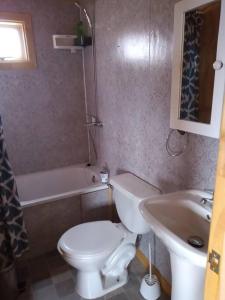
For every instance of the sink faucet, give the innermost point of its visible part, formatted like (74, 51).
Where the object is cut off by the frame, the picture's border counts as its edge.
(208, 199)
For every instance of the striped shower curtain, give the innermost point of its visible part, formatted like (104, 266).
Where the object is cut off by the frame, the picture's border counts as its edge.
(13, 236)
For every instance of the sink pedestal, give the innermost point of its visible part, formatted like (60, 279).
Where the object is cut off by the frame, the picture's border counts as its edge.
(187, 279)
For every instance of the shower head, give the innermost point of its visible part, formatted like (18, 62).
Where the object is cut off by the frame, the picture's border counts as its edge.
(77, 5)
(82, 9)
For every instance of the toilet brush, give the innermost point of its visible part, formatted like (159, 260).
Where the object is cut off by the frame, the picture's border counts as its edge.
(150, 287)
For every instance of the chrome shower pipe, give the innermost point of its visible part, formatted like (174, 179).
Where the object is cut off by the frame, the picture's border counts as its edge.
(77, 4)
(92, 29)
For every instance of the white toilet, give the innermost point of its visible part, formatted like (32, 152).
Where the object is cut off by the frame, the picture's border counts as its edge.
(101, 251)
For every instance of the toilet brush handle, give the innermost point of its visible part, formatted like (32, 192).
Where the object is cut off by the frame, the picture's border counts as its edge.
(150, 259)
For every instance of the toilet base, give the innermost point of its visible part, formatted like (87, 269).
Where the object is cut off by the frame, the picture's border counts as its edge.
(91, 285)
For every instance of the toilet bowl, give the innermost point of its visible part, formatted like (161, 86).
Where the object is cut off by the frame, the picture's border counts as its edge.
(101, 251)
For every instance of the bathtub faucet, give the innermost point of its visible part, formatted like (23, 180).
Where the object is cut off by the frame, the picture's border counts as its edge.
(93, 121)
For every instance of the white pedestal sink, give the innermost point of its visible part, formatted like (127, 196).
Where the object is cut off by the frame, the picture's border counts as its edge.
(175, 218)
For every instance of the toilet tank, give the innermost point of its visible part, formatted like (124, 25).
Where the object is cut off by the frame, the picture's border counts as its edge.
(128, 192)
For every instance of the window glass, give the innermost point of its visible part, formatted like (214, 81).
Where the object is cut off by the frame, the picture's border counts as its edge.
(12, 42)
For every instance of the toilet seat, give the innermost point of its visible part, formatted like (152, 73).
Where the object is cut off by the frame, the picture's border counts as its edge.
(91, 239)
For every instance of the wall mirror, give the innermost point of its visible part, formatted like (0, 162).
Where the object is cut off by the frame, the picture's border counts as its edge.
(198, 76)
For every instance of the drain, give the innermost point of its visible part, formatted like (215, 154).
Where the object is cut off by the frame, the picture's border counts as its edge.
(196, 241)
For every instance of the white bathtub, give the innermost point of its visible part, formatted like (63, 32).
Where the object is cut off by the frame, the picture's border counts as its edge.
(47, 186)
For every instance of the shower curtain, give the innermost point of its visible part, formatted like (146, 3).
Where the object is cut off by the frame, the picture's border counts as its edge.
(13, 236)
(191, 59)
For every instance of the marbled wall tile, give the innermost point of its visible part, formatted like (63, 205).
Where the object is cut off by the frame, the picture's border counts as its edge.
(43, 109)
(134, 49)
(96, 206)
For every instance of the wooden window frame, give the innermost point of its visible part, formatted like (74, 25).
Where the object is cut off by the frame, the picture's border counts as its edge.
(25, 20)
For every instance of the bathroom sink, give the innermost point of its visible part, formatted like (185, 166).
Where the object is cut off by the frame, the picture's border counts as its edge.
(179, 219)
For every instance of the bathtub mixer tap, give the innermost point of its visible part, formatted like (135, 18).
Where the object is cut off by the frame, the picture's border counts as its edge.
(97, 124)
(93, 122)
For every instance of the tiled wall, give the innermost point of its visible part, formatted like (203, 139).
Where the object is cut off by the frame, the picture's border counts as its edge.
(43, 109)
(134, 48)
(134, 96)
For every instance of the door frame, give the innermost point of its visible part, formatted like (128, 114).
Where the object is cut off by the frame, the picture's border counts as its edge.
(215, 283)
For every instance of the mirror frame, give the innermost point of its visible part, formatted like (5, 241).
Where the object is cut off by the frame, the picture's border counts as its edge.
(212, 129)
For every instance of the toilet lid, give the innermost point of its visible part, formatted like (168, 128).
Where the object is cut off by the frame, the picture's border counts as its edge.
(91, 238)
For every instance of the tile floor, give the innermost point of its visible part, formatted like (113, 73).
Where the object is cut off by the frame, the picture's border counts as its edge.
(50, 278)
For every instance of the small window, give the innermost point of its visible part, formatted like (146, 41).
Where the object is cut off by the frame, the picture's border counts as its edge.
(16, 42)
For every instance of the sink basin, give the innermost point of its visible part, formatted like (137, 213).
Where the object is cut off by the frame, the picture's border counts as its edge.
(176, 219)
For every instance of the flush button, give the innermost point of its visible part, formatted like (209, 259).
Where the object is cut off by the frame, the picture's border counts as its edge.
(217, 65)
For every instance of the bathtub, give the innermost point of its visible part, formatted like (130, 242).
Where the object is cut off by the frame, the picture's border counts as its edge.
(43, 187)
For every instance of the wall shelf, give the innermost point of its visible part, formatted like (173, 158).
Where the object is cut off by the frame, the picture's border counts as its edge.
(66, 42)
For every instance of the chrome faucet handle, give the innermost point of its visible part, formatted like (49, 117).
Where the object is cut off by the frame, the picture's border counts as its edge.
(210, 191)
(207, 200)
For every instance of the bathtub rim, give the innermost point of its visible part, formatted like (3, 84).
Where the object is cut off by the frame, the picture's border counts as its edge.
(95, 169)
(85, 190)
(70, 194)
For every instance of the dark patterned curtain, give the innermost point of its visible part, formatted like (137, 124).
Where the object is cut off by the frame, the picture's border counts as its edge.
(191, 58)
(13, 236)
